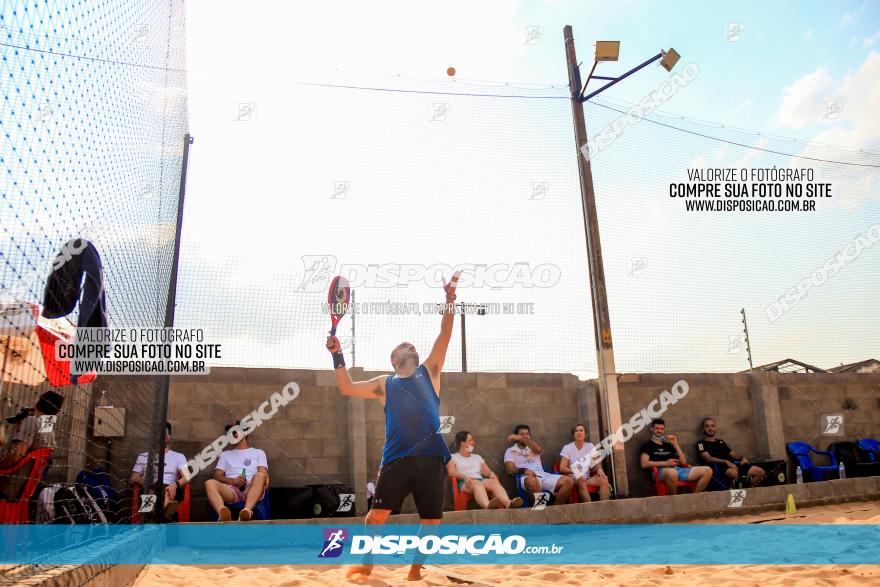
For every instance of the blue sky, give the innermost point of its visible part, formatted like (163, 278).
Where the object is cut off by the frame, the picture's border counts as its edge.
(742, 82)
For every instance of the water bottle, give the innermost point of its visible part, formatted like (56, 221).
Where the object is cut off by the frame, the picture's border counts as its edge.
(244, 474)
(841, 471)
(800, 476)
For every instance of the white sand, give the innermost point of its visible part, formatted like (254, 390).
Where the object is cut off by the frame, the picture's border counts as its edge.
(510, 575)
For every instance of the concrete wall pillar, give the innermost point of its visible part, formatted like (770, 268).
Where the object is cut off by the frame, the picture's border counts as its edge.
(769, 435)
(357, 446)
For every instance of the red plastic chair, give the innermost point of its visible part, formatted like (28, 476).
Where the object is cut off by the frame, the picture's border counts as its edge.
(575, 496)
(182, 509)
(135, 503)
(459, 498)
(660, 485)
(16, 512)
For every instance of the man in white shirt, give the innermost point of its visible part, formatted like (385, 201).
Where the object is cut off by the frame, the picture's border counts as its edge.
(580, 453)
(524, 458)
(242, 474)
(172, 475)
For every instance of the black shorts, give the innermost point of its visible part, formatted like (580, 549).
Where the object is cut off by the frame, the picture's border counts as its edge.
(423, 476)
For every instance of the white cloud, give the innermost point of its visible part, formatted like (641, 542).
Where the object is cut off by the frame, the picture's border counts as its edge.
(803, 102)
(745, 104)
(809, 35)
(854, 15)
(868, 42)
(857, 125)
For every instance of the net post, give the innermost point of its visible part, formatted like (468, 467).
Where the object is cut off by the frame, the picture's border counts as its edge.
(160, 405)
(463, 342)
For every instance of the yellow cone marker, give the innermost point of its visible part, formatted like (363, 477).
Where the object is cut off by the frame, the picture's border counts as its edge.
(789, 505)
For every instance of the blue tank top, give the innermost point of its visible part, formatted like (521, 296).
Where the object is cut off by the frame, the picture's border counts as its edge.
(412, 418)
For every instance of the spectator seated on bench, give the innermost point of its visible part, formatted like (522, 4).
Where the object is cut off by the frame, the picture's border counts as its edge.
(523, 461)
(34, 429)
(241, 476)
(729, 467)
(580, 451)
(473, 477)
(663, 456)
(173, 478)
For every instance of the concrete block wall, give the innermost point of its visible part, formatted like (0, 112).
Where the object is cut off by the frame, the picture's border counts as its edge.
(489, 405)
(323, 437)
(117, 455)
(723, 397)
(805, 399)
(756, 413)
(307, 442)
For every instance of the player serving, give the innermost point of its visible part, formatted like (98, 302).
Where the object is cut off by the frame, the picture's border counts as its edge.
(415, 455)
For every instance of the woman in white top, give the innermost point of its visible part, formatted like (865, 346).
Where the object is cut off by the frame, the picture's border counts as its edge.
(578, 450)
(474, 476)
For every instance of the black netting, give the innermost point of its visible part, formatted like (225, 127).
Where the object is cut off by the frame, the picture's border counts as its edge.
(93, 117)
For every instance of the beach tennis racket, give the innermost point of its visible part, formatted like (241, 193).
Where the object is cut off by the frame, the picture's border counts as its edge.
(338, 297)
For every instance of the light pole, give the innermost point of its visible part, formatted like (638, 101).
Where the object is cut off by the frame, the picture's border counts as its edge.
(352, 329)
(748, 344)
(480, 310)
(607, 373)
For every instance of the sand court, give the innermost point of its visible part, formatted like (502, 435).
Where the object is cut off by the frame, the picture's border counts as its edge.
(511, 575)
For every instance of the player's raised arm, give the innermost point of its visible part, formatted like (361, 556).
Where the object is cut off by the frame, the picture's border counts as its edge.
(434, 362)
(371, 389)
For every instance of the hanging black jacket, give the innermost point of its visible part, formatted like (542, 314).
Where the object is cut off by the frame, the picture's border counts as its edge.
(66, 286)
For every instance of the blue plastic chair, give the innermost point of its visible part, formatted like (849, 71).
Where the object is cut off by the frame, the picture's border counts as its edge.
(261, 510)
(872, 447)
(719, 479)
(525, 495)
(801, 452)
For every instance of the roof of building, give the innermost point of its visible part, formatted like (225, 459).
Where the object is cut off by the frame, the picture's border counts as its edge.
(789, 366)
(855, 367)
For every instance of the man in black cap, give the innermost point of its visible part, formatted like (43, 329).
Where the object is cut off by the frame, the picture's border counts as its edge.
(34, 430)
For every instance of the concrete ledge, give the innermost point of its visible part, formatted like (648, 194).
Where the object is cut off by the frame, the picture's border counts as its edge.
(648, 510)
(91, 575)
(653, 510)
(97, 571)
